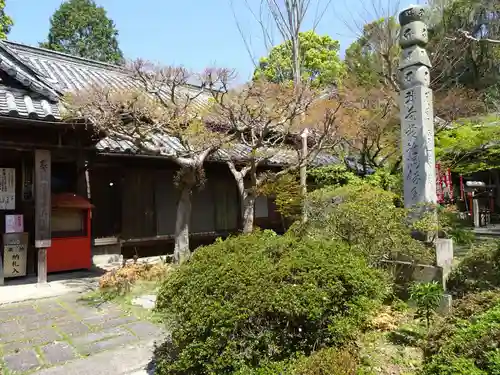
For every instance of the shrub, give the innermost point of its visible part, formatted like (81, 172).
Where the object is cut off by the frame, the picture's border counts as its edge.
(261, 298)
(467, 308)
(366, 218)
(427, 297)
(121, 280)
(479, 270)
(329, 361)
(332, 175)
(471, 349)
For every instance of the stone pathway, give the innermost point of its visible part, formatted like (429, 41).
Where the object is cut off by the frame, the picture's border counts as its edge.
(48, 333)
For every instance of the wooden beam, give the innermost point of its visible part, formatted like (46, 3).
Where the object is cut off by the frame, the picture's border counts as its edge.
(43, 208)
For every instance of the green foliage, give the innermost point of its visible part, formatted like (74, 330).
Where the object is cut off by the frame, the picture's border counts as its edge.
(479, 270)
(471, 64)
(81, 28)
(469, 147)
(469, 307)
(427, 297)
(332, 175)
(472, 348)
(261, 298)
(384, 179)
(451, 226)
(287, 194)
(319, 61)
(328, 361)
(364, 217)
(6, 22)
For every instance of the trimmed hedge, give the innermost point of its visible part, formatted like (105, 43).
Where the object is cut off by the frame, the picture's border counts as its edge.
(261, 298)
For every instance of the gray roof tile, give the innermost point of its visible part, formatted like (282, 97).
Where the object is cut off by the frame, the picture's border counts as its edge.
(49, 73)
(64, 74)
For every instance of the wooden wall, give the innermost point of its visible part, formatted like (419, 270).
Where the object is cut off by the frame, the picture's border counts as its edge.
(148, 199)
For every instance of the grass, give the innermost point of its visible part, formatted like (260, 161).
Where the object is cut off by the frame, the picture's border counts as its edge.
(140, 288)
(394, 349)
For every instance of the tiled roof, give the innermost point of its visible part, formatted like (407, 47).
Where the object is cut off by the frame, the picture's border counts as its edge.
(279, 157)
(64, 73)
(25, 104)
(45, 75)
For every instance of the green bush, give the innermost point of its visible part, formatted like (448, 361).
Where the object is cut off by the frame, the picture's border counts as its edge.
(367, 219)
(329, 361)
(471, 349)
(464, 309)
(262, 298)
(427, 297)
(479, 270)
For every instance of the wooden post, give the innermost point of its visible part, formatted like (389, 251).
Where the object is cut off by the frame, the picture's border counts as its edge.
(43, 208)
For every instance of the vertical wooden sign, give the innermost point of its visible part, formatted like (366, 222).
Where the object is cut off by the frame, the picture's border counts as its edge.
(43, 207)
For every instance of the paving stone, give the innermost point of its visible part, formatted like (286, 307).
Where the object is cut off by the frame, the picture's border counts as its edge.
(48, 306)
(58, 352)
(29, 325)
(16, 312)
(97, 336)
(72, 328)
(110, 323)
(86, 311)
(57, 314)
(110, 343)
(38, 337)
(15, 346)
(23, 361)
(144, 330)
(9, 330)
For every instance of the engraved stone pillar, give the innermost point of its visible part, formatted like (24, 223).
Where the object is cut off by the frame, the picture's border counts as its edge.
(417, 128)
(417, 114)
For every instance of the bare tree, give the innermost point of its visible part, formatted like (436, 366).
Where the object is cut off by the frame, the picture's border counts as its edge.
(287, 17)
(267, 118)
(161, 105)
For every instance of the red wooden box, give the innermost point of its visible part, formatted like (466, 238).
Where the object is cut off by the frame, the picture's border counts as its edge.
(71, 236)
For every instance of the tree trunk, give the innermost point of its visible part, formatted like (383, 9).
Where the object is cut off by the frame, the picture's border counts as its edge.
(303, 175)
(183, 218)
(297, 77)
(247, 204)
(248, 214)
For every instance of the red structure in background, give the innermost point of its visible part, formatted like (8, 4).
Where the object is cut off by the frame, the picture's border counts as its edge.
(444, 185)
(71, 238)
(462, 189)
(439, 184)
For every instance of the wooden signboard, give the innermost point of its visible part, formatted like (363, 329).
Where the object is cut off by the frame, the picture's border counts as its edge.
(7, 189)
(43, 207)
(15, 249)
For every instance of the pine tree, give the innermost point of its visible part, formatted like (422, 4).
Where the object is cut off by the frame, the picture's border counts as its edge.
(81, 28)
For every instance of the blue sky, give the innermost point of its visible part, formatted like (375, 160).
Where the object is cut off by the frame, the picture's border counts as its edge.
(193, 33)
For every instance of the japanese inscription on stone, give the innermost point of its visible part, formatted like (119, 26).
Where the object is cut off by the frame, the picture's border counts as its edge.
(417, 118)
(42, 199)
(15, 254)
(7, 189)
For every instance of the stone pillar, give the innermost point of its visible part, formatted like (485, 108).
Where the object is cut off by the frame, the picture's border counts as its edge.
(417, 114)
(417, 130)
